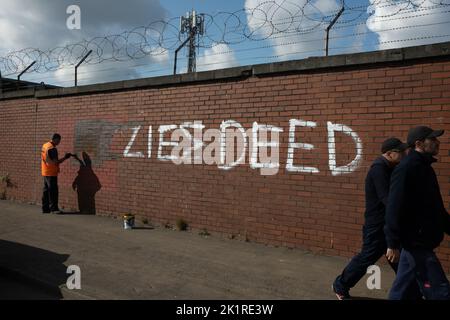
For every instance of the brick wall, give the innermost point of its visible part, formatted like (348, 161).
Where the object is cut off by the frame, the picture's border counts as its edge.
(320, 211)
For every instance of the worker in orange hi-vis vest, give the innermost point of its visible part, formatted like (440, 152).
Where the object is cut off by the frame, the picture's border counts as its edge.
(50, 169)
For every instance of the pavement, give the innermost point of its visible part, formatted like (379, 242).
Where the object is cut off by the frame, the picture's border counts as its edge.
(152, 262)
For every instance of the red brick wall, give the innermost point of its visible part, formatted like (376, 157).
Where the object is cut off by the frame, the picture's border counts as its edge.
(317, 211)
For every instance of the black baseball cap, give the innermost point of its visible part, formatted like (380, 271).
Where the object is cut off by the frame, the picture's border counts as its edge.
(421, 133)
(393, 144)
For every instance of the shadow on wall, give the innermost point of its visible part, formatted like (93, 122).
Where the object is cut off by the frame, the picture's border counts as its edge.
(87, 185)
(30, 273)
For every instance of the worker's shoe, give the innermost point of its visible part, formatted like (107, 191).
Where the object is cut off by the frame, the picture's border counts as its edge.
(57, 212)
(45, 212)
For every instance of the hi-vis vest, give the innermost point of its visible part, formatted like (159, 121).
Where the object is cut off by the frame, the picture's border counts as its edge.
(48, 169)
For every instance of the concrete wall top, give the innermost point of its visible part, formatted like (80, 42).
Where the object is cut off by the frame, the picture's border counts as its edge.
(439, 50)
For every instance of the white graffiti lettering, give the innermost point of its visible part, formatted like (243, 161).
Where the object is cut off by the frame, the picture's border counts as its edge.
(297, 145)
(127, 153)
(352, 166)
(227, 146)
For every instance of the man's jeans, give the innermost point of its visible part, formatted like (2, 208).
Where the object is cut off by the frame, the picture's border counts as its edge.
(423, 267)
(50, 195)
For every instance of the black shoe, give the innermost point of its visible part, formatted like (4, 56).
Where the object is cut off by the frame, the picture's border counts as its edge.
(57, 212)
(45, 212)
(341, 294)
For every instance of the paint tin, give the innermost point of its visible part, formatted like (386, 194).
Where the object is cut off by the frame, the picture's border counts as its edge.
(128, 221)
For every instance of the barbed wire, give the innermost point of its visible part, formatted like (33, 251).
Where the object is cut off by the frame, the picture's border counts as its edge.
(253, 59)
(268, 20)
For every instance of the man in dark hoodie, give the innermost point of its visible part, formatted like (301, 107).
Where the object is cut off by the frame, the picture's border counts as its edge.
(374, 244)
(416, 219)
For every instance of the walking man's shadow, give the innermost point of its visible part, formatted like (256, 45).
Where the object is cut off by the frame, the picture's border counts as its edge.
(87, 185)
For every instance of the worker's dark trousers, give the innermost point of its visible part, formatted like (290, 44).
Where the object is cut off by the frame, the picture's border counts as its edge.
(50, 195)
(422, 267)
(373, 248)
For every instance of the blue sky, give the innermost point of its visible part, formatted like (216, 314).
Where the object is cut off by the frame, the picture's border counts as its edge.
(266, 31)
(177, 7)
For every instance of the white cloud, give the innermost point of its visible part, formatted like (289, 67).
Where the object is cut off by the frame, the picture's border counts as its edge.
(219, 56)
(295, 29)
(357, 44)
(408, 23)
(42, 24)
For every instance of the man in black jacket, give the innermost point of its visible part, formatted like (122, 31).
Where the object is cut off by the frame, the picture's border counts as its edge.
(374, 244)
(416, 219)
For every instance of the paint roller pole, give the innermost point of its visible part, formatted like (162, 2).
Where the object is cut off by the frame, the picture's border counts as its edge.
(26, 69)
(79, 63)
(330, 26)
